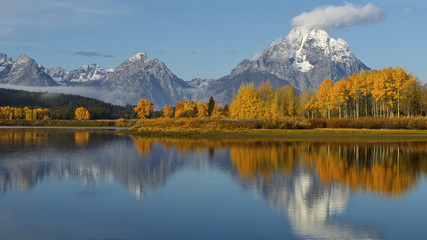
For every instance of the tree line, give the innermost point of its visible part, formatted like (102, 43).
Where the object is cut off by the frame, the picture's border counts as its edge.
(26, 113)
(377, 93)
(63, 106)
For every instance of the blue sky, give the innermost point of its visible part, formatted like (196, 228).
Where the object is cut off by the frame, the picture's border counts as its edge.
(198, 38)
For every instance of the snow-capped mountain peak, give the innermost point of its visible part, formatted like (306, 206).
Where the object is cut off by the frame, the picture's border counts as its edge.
(23, 59)
(139, 56)
(302, 59)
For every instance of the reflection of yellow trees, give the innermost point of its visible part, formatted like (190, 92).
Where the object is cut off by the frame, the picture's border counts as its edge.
(143, 145)
(386, 169)
(263, 159)
(14, 138)
(390, 169)
(81, 138)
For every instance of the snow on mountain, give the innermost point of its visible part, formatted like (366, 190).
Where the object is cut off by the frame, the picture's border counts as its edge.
(85, 75)
(303, 59)
(57, 74)
(140, 77)
(6, 64)
(200, 83)
(25, 71)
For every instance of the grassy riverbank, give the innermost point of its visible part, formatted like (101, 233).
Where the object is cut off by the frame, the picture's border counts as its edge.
(291, 128)
(233, 129)
(69, 123)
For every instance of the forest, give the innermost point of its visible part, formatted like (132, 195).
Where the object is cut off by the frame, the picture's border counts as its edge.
(61, 106)
(379, 93)
(390, 98)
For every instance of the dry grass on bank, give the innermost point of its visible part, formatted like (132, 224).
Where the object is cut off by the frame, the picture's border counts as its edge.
(70, 123)
(224, 125)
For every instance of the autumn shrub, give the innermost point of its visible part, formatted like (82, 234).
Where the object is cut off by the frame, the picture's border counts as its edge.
(417, 123)
(337, 123)
(317, 122)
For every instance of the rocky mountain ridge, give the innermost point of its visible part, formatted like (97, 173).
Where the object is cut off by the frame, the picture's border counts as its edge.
(303, 59)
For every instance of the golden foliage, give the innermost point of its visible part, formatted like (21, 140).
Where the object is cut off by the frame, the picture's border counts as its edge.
(82, 113)
(26, 113)
(248, 103)
(167, 111)
(144, 108)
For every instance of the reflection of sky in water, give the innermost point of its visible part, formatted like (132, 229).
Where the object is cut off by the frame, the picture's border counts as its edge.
(312, 183)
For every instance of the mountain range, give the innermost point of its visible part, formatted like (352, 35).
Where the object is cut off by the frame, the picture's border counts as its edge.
(303, 59)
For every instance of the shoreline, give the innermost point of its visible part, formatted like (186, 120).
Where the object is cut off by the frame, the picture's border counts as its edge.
(317, 134)
(205, 132)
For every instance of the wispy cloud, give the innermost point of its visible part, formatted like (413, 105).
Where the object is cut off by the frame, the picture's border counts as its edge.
(7, 31)
(256, 56)
(22, 44)
(92, 54)
(331, 17)
(69, 6)
(83, 91)
(408, 9)
(60, 12)
(191, 51)
(160, 52)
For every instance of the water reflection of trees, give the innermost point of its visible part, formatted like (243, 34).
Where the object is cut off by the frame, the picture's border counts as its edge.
(310, 181)
(385, 168)
(81, 138)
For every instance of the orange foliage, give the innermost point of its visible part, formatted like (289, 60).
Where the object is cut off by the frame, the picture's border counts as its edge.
(81, 138)
(144, 108)
(82, 113)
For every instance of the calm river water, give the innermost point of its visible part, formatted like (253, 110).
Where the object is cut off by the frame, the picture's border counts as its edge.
(80, 184)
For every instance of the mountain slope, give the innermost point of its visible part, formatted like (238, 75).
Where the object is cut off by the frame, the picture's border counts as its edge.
(25, 71)
(140, 77)
(303, 60)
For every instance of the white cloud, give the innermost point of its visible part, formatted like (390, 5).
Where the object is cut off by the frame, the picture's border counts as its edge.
(6, 32)
(331, 17)
(82, 91)
(60, 12)
(191, 51)
(256, 56)
(408, 9)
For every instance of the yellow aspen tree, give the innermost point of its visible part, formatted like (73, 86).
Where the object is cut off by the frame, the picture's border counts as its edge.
(265, 90)
(82, 114)
(189, 109)
(370, 81)
(289, 100)
(340, 95)
(18, 113)
(379, 91)
(217, 111)
(179, 108)
(355, 89)
(28, 113)
(202, 109)
(365, 88)
(247, 104)
(401, 83)
(324, 97)
(411, 102)
(389, 90)
(144, 108)
(167, 111)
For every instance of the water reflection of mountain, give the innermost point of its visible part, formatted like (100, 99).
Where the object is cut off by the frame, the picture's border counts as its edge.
(309, 181)
(28, 157)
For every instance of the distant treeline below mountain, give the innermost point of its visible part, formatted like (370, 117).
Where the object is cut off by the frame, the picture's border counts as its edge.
(64, 105)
